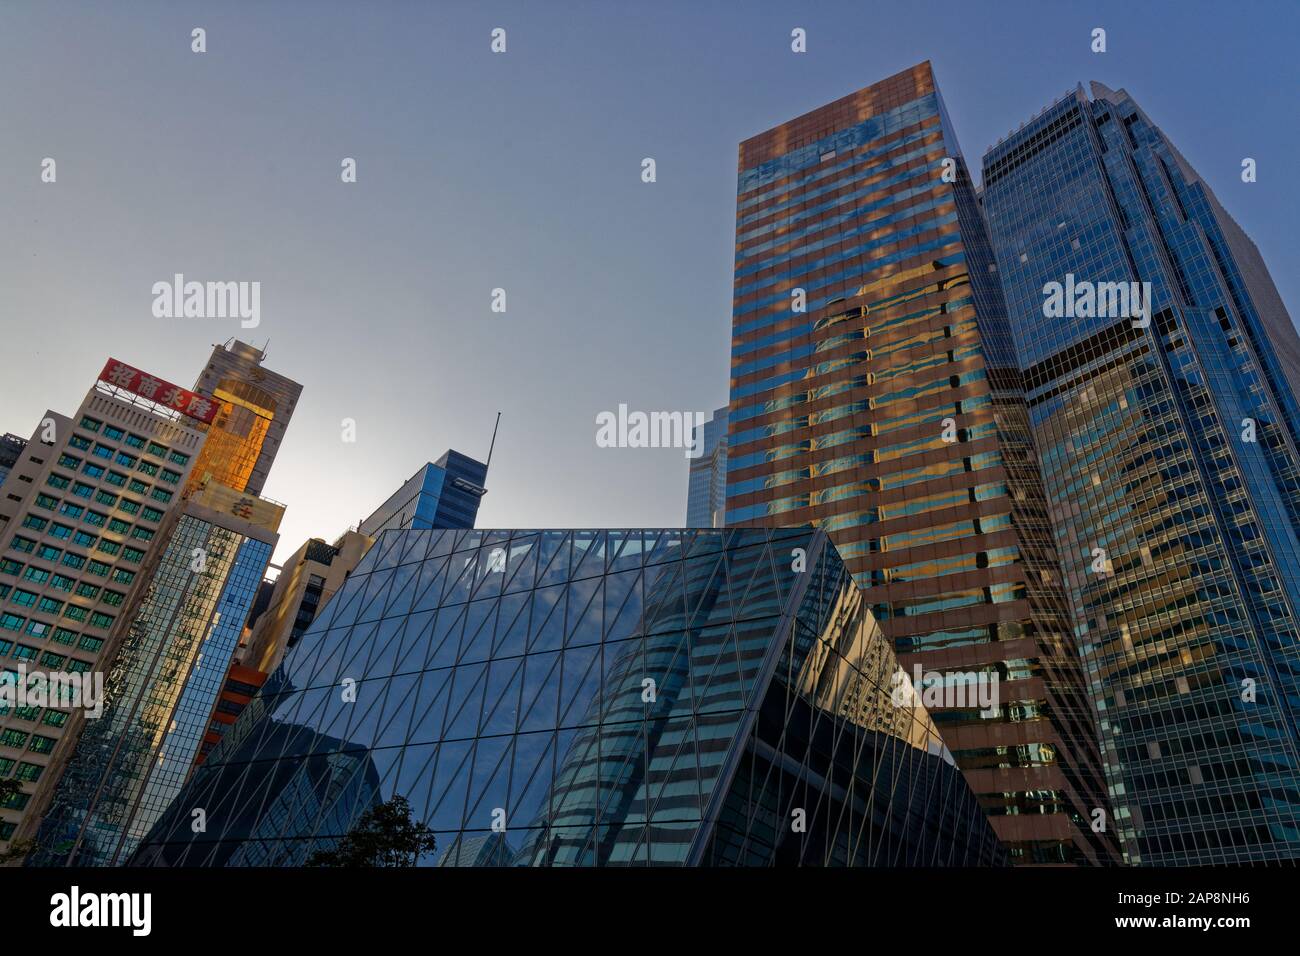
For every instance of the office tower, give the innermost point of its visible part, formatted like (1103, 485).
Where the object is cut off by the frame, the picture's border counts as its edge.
(707, 491)
(603, 698)
(1167, 431)
(442, 494)
(309, 578)
(254, 406)
(11, 449)
(99, 487)
(874, 395)
(159, 695)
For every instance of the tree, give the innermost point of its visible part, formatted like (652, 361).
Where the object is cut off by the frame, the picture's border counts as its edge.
(19, 849)
(384, 836)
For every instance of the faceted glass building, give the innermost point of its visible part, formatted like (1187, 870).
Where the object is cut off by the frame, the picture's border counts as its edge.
(159, 693)
(1169, 455)
(875, 395)
(706, 492)
(589, 698)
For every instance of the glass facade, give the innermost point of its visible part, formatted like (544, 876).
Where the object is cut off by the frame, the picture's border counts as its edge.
(875, 395)
(72, 561)
(1169, 457)
(442, 494)
(130, 762)
(706, 494)
(589, 698)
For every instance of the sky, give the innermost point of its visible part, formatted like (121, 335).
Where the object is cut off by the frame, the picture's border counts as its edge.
(519, 171)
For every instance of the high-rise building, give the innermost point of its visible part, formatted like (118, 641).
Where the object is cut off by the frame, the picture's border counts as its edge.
(875, 395)
(11, 449)
(595, 698)
(85, 507)
(706, 492)
(159, 695)
(1167, 425)
(254, 405)
(240, 687)
(442, 494)
(309, 578)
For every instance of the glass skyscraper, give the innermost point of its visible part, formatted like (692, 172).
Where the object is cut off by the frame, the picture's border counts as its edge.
(706, 493)
(589, 698)
(158, 695)
(1168, 442)
(875, 395)
(442, 494)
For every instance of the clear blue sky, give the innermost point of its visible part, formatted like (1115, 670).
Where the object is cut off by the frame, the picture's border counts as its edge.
(519, 171)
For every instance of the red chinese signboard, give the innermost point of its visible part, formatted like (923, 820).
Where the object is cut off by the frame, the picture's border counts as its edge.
(131, 379)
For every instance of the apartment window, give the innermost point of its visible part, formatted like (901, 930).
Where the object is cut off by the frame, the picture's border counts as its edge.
(35, 523)
(90, 424)
(57, 481)
(123, 576)
(96, 519)
(52, 661)
(114, 598)
(87, 590)
(60, 531)
(169, 476)
(118, 526)
(24, 653)
(62, 582)
(63, 635)
(109, 547)
(49, 606)
(23, 598)
(11, 622)
(101, 620)
(28, 772)
(134, 555)
(10, 566)
(91, 644)
(76, 441)
(83, 490)
(13, 738)
(157, 450)
(46, 502)
(129, 506)
(98, 568)
(75, 612)
(116, 478)
(138, 486)
(135, 441)
(54, 718)
(102, 451)
(69, 462)
(83, 539)
(141, 534)
(71, 510)
(113, 433)
(127, 461)
(147, 468)
(41, 745)
(93, 471)
(47, 553)
(74, 561)
(25, 545)
(158, 494)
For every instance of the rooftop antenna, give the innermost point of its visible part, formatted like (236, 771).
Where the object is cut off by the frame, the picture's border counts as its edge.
(494, 442)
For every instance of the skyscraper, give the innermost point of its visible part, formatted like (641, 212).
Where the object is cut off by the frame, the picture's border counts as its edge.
(254, 405)
(86, 506)
(159, 694)
(874, 394)
(589, 698)
(1167, 426)
(11, 449)
(706, 493)
(442, 494)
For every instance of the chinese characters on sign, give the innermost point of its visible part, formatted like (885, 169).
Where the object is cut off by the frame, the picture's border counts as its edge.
(131, 379)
